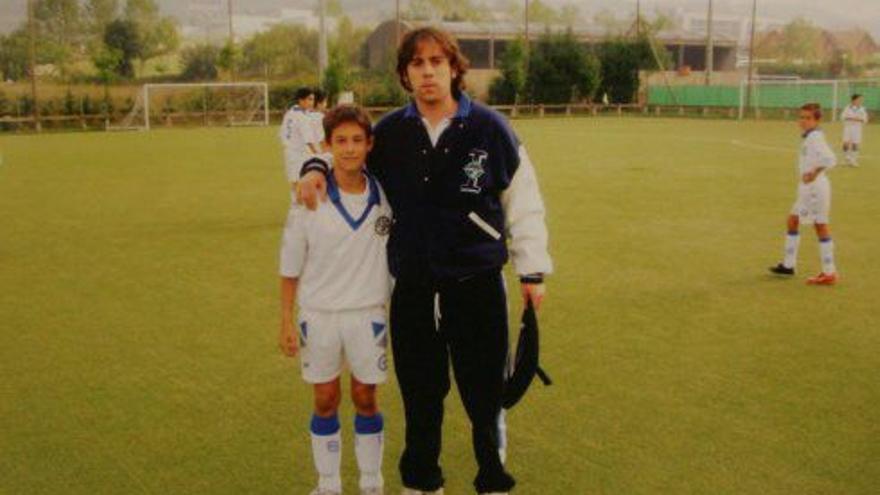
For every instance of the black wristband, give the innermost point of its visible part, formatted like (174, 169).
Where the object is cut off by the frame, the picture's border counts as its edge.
(314, 164)
(532, 278)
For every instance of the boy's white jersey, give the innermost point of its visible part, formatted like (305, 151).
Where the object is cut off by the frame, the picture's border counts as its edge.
(854, 119)
(338, 251)
(854, 116)
(297, 131)
(815, 152)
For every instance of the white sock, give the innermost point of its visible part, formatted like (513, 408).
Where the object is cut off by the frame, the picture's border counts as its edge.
(327, 451)
(369, 444)
(502, 436)
(792, 241)
(826, 251)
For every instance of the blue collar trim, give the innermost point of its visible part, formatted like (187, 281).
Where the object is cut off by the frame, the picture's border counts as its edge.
(374, 199)
(464, 108)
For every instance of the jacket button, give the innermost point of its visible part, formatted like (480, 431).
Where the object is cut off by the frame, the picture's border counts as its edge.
(424, 152)
(446, 150)
(427, 179)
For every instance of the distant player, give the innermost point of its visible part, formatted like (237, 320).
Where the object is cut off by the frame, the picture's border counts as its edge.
(854, 118)
(317, 115)
(334, 264)
(297, 133)
(813, 199)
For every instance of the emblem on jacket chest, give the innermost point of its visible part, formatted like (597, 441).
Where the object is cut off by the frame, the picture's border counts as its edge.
(474, 170)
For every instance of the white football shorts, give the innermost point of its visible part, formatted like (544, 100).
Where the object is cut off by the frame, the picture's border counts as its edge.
(813, 204)
(331, 339)
(852, 134)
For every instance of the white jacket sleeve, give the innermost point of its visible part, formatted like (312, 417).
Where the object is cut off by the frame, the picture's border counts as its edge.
(524, 219)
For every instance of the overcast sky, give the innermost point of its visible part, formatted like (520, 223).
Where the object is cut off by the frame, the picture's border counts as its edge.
(827, 13)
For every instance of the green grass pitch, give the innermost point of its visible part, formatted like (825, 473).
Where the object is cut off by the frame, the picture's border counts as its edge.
(138, 318)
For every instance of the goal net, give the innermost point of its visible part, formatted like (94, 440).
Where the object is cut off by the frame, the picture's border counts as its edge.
(768, 96)
(198, 104)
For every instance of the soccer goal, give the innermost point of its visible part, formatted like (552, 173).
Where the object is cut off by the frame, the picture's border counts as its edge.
(774, 95)
(200, 104)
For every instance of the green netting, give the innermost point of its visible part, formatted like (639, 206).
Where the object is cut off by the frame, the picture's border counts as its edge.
(785, 95)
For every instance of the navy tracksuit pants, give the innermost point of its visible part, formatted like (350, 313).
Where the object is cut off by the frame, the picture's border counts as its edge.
(433, 323)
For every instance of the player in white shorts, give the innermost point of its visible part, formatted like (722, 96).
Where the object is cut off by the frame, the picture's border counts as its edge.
(813, 198)
(297, 134)
(854, 118)
(334, 264)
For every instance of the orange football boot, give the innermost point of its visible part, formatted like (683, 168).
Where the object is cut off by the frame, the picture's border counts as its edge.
(823, 279)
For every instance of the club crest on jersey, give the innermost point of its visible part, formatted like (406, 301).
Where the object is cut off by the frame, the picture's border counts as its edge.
(383, 225)
(474, 170)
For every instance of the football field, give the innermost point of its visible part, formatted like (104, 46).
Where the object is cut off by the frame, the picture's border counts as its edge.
(139, 317)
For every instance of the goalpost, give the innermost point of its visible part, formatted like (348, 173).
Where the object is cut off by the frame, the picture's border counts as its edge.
(790, 94)
(230, 104)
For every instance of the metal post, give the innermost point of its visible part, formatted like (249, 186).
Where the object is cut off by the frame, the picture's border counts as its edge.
(32, 55)
(322, 42)
(231, 42)
(146, 97)
(266, 103)
(638, 18)
(752, 54)
(742, 84)
(836, 101)
(710, 46)
(397, 25)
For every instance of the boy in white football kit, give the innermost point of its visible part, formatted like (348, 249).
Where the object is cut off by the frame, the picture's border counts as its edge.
(813, 199)
(854, 118)
(297, 134)
(334, 263)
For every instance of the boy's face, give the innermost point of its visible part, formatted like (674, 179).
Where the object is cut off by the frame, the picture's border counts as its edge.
(807, 121)
(858, 101)
(429, 73)
(349, 145)
(306, 103)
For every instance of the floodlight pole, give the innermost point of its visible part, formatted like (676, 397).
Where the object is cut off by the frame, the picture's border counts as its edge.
(526, 21)
(397, 24)
(710, 46)
(751, 55)
(322, 42)
(231, 41)
(639, 19)
(32, 56)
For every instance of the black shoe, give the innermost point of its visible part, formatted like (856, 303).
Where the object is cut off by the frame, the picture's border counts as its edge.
(781, 269)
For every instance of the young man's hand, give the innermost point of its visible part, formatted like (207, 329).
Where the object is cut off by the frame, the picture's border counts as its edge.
(287, 341)
(310, 189)
(534, 293)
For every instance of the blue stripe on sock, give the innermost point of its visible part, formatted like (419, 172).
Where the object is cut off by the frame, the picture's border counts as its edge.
(325, 426)
(793, 233)
(827, 239)
(366, 425)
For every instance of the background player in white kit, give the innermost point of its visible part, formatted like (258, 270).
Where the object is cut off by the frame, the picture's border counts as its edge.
(813, 199)
(335, 258)
(854, 118)
(297, 134)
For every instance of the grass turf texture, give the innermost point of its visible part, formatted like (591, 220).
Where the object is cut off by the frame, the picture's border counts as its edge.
(138, 308)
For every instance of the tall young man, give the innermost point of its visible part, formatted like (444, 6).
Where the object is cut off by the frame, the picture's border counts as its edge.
(297, 133)
(460, 185)
(813, 198)
(854, 118)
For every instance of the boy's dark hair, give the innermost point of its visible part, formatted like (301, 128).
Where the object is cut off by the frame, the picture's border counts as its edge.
(302, 94)
(341, 114)
(410, 43)
(815, 108)
(320, 95)
(855, 97)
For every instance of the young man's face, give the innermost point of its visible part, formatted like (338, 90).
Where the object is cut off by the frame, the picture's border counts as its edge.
(429, 73)
(306, 103)
(349, 145)
(807, 121)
